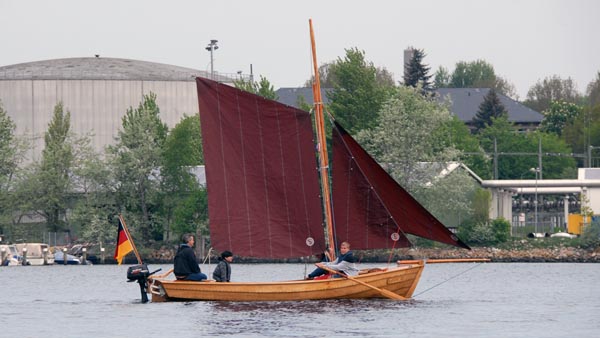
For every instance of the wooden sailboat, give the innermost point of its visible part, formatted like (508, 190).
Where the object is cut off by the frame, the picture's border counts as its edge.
(269, 198)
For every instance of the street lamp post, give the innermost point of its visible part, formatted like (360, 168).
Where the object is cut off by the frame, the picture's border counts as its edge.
(212, 46)
(536, 171)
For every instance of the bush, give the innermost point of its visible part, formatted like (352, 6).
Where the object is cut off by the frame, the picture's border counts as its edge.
(590, 238)
(486, 232)
(501, 229)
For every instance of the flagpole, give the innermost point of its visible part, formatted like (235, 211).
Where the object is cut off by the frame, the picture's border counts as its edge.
(137, 254)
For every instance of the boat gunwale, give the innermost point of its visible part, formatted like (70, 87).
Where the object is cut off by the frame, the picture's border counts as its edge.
(331, 288)
(390, 270)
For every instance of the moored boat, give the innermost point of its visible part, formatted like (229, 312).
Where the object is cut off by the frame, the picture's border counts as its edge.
(10, 255)
(35, 253)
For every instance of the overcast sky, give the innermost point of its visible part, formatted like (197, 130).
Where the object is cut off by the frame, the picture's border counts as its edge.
(525, 40)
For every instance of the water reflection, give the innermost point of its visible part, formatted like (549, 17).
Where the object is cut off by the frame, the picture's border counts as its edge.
(311, 306)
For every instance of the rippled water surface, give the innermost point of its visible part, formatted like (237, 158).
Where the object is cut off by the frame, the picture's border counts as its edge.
(452, 300)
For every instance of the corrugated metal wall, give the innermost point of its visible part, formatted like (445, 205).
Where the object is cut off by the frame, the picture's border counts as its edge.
(96, 106)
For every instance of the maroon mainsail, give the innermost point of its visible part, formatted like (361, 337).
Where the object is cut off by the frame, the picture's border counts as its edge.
(262, 181)
(370, 206)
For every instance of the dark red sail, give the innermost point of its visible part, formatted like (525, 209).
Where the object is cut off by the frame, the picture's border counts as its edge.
(263, 192)
(364, 193)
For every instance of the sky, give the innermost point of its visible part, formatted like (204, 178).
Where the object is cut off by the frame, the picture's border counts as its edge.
(525, 40)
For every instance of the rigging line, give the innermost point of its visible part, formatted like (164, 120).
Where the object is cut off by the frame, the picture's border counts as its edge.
(447, 280)
(207, 256)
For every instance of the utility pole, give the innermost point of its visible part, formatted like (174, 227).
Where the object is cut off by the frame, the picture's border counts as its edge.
(211, 47)
(536, 171)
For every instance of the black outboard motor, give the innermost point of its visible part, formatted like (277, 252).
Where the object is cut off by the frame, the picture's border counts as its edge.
(140, 273)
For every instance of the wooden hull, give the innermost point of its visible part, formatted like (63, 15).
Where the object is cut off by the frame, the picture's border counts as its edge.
(400, 280)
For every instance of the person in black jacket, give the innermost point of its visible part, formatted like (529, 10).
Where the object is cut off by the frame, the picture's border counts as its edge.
(185, 265)
(222, 272)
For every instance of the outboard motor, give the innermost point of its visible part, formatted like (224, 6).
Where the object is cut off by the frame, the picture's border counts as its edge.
(140, 273)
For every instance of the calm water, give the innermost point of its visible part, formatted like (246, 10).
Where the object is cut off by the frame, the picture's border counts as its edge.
(488, 300)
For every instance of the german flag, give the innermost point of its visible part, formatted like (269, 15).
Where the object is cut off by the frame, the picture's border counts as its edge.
(124, 245)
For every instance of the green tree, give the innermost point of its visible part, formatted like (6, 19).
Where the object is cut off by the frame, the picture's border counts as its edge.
(247, 85)
(266, 89)
(510, 140)
(583, 130)
(263, 88)
(183, 146)
(480, 229)
(540, 95)
(448, 197)
(593, 91)
(326, 79)
(53, 175)
(7, 149)
(480, 74)
(473, 74)
(481, 202)
(409, 130)
(441, 78)
(302, 104)
(472, 154)
(490, 108)
(138, 154)
(191, 213)
(416, 73)
(501, 229)
(329, 80)
(590, 238)
(357, 95)
(558, 116)
(12, 151)
(96, 202)
(183, 150)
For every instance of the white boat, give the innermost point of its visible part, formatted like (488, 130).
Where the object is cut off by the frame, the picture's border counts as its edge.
(59, 258)
(35, 253)
(10, 255)
(563, 235)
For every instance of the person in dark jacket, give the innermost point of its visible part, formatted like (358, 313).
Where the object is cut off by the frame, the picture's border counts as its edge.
(222, 272)
(186, 265)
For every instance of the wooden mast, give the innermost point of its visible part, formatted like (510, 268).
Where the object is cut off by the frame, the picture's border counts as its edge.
(322, 144)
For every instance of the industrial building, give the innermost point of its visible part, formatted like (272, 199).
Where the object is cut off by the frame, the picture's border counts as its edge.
(97, 91)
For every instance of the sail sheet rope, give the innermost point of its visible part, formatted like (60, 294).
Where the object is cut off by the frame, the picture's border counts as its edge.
(447, 280)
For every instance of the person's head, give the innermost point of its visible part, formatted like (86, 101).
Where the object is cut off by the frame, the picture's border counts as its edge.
(344, 248)
(227, 255)
(188, 239)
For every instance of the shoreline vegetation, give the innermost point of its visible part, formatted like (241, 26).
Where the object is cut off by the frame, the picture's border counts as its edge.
(522, 252)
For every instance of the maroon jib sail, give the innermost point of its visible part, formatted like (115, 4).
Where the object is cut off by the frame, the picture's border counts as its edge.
(370, 207)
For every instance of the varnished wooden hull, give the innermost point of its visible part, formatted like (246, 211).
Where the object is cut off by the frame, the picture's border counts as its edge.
(401, 280)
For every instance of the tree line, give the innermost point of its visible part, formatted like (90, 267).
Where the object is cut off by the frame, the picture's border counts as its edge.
(145, 174)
